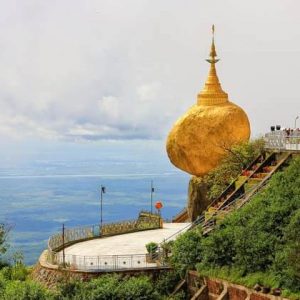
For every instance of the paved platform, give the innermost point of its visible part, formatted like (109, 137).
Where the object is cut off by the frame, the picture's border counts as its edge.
(125, 244)
(119, 252)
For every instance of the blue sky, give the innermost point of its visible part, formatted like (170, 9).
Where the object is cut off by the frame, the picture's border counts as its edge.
(88, 71)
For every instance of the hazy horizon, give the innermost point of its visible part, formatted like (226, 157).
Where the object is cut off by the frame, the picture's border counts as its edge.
(77, 72)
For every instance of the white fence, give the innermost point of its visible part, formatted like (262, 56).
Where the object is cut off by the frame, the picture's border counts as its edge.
(283, 140)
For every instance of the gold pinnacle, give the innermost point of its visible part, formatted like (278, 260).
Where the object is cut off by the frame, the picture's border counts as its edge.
(213, 53)
(212, 93)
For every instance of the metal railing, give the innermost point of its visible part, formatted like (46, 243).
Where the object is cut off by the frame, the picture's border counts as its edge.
(283, 140)
(208, 223)
(57, 242)
(106, 262)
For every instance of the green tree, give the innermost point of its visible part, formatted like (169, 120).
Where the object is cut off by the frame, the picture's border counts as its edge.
(137, 288)
(166, 282)
(103, 288)
(186, 251)
(287, 262)
(237, 157)
(25, 290)
(4, 230)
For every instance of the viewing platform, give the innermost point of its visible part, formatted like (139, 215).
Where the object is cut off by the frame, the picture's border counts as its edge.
(283, 139)
(126, 251)
(114, 247)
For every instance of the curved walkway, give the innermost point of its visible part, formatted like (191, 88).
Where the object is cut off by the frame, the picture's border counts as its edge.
(129, 243)
(125, 251)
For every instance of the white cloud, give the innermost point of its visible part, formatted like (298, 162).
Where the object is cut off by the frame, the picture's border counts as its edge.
(128, 69)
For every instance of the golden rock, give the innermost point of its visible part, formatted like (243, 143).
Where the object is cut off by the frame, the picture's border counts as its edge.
(199, 139)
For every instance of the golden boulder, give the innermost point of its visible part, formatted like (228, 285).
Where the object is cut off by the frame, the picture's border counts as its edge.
(199, 139)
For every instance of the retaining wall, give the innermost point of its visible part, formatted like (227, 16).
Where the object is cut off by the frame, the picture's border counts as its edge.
(203, 288)
(50, 275)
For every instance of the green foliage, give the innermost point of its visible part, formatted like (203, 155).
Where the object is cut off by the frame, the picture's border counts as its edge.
(136, 288)
(237, 275)
(178, 296)
(287, 261)
(73, 289)
(151, 247)
(4, 229)
(186, 251)
(109, 287)
(166, 282)
(260, 243)
(18, 271)
(221, 241)
(103, 288)
(24, 290)
(238, 157)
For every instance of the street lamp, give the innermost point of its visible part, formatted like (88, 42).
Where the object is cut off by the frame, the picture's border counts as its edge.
(151, 195)
(102, 191)
(296, 121)
(63, 242)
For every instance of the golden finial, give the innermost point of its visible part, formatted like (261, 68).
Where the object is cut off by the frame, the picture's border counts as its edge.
(212, 93)
(213, 53)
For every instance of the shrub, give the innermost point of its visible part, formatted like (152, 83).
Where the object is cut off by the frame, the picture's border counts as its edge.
(166, 282)
(151, 247)
(17, 290)
(103, 288)
(238, 157)
(287, 262)
(136, 288)
(186, 251)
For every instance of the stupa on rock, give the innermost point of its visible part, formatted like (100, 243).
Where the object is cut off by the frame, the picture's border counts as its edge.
(199, 139)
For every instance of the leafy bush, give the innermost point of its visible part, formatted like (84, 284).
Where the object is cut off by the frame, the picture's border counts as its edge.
(73, 289)
(109, 287)
(103, 288)
(238, 157)
(4, 229)
(260, 243)
(18, 290)
(287, 261)
(151, 247)
(136, 288)
(166, 282)
(186, 251)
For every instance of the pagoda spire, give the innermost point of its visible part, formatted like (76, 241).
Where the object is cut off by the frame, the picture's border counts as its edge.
(212, 93)
(213, 52)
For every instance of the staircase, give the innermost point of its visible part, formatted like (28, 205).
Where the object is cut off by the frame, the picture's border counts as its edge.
(181, 217)
(250, 181)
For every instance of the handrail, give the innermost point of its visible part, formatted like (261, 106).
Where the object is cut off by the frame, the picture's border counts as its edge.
(283, 140)
(257, 169)
(105, 262)
(145, 221)
(184, 210)
(249, 194)
(208, 225)
(234, 181)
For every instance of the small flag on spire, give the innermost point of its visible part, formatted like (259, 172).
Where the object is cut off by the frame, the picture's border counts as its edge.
(213, 29)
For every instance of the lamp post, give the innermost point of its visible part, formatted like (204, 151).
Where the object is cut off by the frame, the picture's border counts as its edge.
(63, 242)
(151, 196)
(296, 121)
(102, 191)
